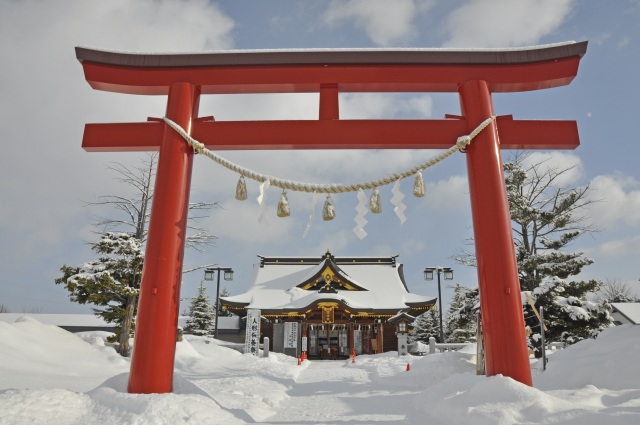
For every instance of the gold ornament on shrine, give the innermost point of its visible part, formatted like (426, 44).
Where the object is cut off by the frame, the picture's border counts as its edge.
(327, 281)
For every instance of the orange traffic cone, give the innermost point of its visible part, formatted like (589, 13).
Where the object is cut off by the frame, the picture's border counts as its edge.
(408, 367)
(353, 356)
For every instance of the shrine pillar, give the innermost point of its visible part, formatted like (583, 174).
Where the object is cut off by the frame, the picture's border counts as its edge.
(500, 302)
(158, 307)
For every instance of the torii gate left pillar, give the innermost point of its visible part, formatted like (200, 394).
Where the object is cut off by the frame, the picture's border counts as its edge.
(159, 302)
(474, 75)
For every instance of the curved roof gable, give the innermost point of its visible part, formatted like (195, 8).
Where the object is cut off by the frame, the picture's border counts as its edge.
(329, 278)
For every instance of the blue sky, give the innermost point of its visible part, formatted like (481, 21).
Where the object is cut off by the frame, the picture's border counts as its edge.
(47, 178)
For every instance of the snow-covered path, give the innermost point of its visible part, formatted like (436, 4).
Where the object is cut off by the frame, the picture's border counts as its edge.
(272, 391)
(337, 392)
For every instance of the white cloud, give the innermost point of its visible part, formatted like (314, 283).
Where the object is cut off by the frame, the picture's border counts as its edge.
(451, 194)
(238, 221)
(600, 39)
(618, 199)
(338, 241)
(624, 42)
(45, 102)
(284, 106)
(385, 22)
(305, 106)
(618, 248)
(382, 250)
(411, 246)
(504, 23)
(384, 105)
(557, 161)
(422, 104)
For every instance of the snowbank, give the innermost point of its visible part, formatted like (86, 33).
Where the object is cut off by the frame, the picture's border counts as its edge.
(35, 355)
(50, 376)
(611, 361)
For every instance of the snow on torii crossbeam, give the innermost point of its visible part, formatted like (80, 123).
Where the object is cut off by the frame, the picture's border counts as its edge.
(473, 74)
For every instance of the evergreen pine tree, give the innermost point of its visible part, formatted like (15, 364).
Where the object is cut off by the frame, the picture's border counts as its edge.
(426, 326)
(224, 292)
(546, 217)
(202, 318)
(460, 320)
(570, 317)
(545, 220)
(112, 281)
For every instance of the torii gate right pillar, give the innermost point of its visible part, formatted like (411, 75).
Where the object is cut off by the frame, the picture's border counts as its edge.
(500, 302)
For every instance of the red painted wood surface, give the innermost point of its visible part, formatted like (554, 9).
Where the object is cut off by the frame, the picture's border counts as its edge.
(348, 78)
(159, 303)
(330, 134)
(506, 350)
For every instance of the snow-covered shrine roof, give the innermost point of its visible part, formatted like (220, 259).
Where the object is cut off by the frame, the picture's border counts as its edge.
(360, 284)
(401, 315)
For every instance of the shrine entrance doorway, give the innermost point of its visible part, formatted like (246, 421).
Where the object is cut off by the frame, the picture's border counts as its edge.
(328, 342)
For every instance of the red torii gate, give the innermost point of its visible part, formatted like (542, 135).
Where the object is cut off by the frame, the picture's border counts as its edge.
(473, 74)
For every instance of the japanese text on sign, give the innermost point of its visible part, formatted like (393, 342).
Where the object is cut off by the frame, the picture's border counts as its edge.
(252, 336)
(290, 335)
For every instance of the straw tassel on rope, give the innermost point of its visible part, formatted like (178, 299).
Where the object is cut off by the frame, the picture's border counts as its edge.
(241, 189)
(283, 206)
(374, 202)
(328, 211)
(418, 185)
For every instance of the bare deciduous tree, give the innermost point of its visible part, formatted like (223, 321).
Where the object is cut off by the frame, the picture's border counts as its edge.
(132, 217)
(617, 291)
(32, 310)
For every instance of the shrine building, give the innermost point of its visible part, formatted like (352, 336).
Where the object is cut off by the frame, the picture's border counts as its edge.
(329, 306)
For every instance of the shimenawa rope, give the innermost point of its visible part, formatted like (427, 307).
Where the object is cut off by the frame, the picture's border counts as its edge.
(460, 145)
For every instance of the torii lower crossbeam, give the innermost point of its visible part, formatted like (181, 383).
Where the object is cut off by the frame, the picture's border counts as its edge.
(474, 75)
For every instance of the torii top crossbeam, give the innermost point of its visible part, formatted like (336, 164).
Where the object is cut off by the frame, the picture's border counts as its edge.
(473, 74)
(329, 72)
(358, 70)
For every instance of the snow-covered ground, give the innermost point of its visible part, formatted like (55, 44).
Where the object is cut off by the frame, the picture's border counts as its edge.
(50, 376)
